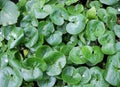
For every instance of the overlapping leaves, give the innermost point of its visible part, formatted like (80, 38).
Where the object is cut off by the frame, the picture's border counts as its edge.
(59, 43)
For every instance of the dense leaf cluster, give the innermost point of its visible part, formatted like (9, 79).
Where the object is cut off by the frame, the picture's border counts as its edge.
(59, 43)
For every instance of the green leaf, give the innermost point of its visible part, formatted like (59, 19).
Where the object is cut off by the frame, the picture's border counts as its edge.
(46, 28)
(112, 72)
(97, 77)
(59, 15)
(91, 13)
(31, 36)
(34, 4)
(102, 14)
(109, 2)
(69, 2)
(29, 20)
(9, 13)
(117, 46)
(16, 37)
(46, 81)
(85, 73)
(95, 4)
(109, 48)
(40, 13)
(73, 40)
(3, 60)
(10, 77)
(33, 69)
(6, 31)
(70, 75)
(94, 29)
(55, 38)
(93, 54)
(76, 56)
(107, 37)
(77, 24)
(77, 9)
(117, 30)
(43, 51)
(31, 74)
(108, 16)
(56, 61)
(65, 49)
(35, 62)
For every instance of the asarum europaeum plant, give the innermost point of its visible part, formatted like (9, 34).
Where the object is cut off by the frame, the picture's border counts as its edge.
(60, 43)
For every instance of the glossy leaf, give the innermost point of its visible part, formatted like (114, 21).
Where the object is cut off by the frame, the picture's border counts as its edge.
(76, 25)
(117, 30)
(56, 61)
(69, 2)
(42, 51)
(77, 9)
(95, 4)
(70, 75)
(10, 77)
(9, 13)
(31, 74)
(76, 56)
(46, 81)
(94, 29)
(91, 13)
(31, 34)
(85, 73)
(109, 48)
(59, 15)
(112, 73)
(55, 38)
(16, 37)
(107, 37)
(93, 54)
(109, 2)
(97, 78)
(46, 28)
(35, 62)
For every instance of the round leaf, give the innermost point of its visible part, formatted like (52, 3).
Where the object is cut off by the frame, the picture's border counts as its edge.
(55, 38)
(97, 77)
(70, 75)
(9, 13)
(109, 2)
(76, 25)
(94, 29)
(10, 77)
(35, 62)
(117, 30)
(112, 72)
(31, 74)
(109, 48)
(85, 73)
(56, 61)
(16, 37)
(46, 81)
(31, 36)
(107, 37)
(58, 15)
(76, 56)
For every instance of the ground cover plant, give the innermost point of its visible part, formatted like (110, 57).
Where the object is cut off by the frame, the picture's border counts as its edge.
(59, 43)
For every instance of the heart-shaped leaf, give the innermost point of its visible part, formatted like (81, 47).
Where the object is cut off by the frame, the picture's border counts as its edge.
(112, 72)
(76, 56)
(10, 77)
(94, 29)
(70, 75)
(56, 61)
(77, 24)
(9, 13)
